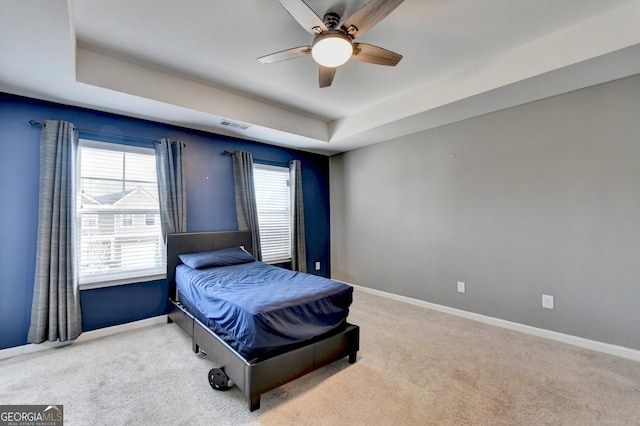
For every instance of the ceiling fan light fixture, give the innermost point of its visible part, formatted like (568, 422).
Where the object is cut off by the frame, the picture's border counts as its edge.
(332, 49)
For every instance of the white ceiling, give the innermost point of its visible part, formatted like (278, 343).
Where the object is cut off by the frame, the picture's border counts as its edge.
(193, 62)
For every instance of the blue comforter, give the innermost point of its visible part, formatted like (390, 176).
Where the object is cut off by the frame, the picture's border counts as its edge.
(257, 307)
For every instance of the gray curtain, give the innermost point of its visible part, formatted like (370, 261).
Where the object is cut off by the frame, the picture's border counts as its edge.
(246, 211)
(171, 186)
(55, 308)
(298, 242)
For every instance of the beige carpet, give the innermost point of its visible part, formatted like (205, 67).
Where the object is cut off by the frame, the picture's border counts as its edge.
(415, 367)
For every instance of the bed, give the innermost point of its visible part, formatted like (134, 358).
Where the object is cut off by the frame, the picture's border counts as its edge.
(284, 341)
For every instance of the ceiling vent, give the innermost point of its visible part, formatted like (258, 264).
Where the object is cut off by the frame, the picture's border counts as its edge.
(235, 125)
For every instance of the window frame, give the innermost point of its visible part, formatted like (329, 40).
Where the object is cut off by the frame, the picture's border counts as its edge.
(283, 169)
(122, 277)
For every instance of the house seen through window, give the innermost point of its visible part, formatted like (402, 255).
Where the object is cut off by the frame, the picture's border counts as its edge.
(118, 213)
(273, 202)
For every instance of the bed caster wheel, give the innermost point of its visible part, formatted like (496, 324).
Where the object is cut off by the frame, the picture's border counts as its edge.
(219, 380)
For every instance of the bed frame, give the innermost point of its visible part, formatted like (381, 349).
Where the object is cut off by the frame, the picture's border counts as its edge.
(253, 377)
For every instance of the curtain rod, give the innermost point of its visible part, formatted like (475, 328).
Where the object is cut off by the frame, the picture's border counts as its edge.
(263, 161)
(95, 132)
(227, 152)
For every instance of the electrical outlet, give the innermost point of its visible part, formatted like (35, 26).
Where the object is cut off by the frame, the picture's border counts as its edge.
(461, 287)
(317, 266)
(547, 301)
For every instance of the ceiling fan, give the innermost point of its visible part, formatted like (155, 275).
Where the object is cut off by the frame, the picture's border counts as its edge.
(333, 44)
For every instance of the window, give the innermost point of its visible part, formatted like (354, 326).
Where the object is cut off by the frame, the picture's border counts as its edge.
(119, 237)
(89, 221)
(273, 202)
(127, 220)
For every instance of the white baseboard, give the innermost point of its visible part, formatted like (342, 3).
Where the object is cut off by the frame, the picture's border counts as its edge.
(607, 348)
(86, 336)
(595, 345)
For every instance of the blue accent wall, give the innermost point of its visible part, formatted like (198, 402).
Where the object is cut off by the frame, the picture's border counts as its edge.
(210, 205)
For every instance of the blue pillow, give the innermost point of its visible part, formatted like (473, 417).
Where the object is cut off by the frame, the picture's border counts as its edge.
(224, 257)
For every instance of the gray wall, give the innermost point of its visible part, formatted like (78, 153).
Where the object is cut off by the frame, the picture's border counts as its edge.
(539, 198)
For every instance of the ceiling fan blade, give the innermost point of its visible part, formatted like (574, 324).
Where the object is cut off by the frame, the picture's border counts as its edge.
(326, 76)
(375, 55)
(305, 16)
(368, 15)
(285, 55)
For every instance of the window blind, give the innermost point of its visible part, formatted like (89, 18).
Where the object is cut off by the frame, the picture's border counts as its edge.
(118, 213)
(273, 202)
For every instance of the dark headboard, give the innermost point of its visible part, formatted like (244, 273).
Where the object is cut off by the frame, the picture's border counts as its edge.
(194, 242)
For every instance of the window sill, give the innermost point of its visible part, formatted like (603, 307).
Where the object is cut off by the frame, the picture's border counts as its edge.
(122, 281)
(277, 261)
